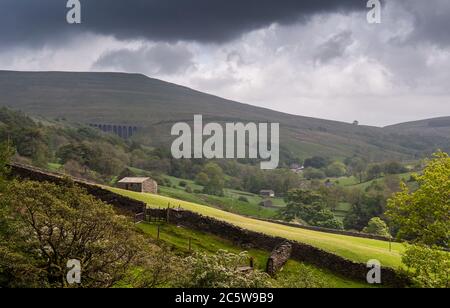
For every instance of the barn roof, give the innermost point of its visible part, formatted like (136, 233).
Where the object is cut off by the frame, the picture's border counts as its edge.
(136, 180)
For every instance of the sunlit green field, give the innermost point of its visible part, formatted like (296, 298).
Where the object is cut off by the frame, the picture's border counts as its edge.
(179, 238)
(352, 248)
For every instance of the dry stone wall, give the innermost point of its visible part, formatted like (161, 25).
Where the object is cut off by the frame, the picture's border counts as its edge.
(121, 204)
(300, 252)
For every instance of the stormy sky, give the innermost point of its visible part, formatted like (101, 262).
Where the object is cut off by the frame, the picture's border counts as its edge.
(318, 58)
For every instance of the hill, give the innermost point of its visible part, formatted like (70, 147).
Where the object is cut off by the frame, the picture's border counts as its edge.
(154, 105)
(352, 248)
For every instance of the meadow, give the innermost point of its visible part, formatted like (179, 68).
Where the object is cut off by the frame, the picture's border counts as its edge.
(179, 238)
(352, 248)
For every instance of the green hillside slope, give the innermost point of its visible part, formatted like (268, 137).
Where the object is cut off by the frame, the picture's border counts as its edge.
(353, 248)
(154, 105)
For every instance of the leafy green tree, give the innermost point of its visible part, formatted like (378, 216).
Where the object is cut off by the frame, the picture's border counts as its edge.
(377, 226)
(326, 219)
(310, 207)
(202, 179)
(357, 167)
(394, 168)
(314, 174)
(428, 267)
(43, 225)
(335, 170)
(216, 182)
(365, 206)
(374, 171)
(316, 162)
(6, 153)
(332, 195)
(424, 215)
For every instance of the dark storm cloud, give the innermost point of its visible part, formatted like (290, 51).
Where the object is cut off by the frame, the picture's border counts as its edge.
(39, 21)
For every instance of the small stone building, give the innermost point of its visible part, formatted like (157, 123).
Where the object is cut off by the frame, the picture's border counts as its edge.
(266, 203)
(139, 184)
(267, 193)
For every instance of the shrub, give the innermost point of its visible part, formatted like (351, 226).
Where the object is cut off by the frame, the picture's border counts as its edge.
(243, 199)
(336, 170)
(182, 184)
(427, 267)
(314, 174)
(221, 270)
(377, 226)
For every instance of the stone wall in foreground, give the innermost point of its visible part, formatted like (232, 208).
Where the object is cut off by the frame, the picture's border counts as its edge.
(122, 204)
(300, 252)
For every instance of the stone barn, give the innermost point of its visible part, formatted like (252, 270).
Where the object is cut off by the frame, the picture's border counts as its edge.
(267, 193)
(139, 184)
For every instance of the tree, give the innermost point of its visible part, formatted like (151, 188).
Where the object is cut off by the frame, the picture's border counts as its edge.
(6, 153)
(335, 170)
(313, 174)
(357, 168)
(374, 171)
(326, 219)
(377, 226)
(423, 215)
(216, 182)
(428, 267)
(316, 162)
(364, 207)
(44, 225)
(202, 179)
(394, 168)
(310, 207)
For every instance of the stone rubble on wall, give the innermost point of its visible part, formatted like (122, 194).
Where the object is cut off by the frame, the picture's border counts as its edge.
(278, 258)
(300, 251)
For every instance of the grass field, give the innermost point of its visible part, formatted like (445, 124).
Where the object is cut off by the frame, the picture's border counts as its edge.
(353, 248)
(353, 182)
(223, 203)
(179, 238)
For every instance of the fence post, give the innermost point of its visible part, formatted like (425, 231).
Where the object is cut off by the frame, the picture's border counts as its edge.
(190, 244)
(157, 237)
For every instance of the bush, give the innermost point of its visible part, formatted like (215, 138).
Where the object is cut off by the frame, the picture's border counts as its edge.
(182, 184)
(243, 199)
(377, 226)
(304, 277)
(316, 162)
(427, 267)
(314, 174)
(188, 189)
(221, 270)
(394, 168)
(336, 170)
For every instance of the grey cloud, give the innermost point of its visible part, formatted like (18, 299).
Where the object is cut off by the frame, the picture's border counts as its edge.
(335, 47)
(160, 59)
(431, 21)
(43, 21)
